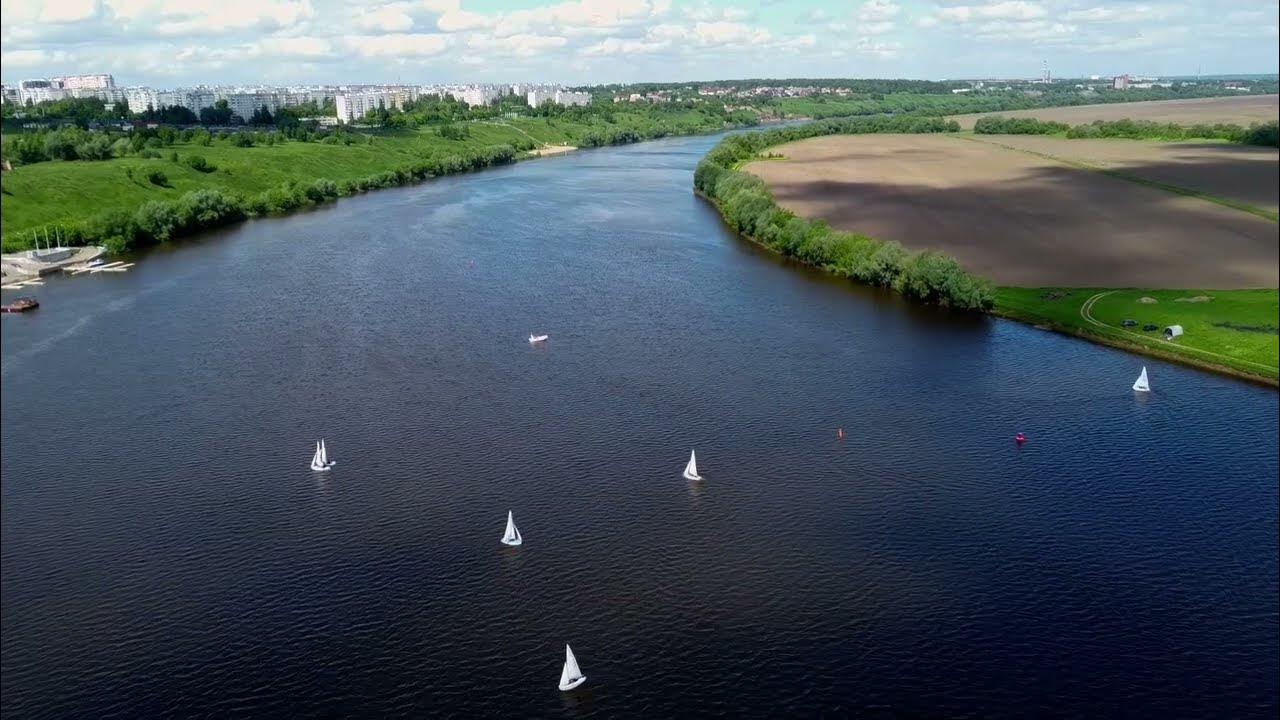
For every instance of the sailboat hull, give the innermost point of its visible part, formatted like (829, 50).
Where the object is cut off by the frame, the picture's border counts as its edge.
(319, 468)
(566, 687)
(690, 476)
(513, 543)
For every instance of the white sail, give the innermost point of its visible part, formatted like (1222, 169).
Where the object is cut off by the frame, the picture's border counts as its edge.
(317, 460)
(512, 535)
(324, 455)
(1141, 384)
(571, 676)
(691, 470)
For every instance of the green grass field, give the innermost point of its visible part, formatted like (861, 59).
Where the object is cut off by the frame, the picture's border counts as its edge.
(47, 194)
(1234, 329)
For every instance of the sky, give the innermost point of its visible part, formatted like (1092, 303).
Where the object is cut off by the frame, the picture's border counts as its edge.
(170, 43)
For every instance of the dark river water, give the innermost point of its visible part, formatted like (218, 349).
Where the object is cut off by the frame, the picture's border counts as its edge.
(167, 552)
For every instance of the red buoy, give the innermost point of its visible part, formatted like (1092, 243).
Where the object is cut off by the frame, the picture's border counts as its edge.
(840, 433)
(1019, 438)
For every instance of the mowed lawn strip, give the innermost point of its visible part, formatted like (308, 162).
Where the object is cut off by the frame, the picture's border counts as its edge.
(1235, 329)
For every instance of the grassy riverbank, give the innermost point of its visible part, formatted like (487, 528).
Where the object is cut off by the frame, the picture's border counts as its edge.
(1235, 330)
(1232, 331)
(78, 196)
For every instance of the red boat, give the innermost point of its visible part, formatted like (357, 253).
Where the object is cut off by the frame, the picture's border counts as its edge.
(21, 304)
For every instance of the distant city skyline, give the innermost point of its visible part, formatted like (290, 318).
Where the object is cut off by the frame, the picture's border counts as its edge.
(173, 43)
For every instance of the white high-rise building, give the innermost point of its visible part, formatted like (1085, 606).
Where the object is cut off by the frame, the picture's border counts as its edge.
(246, 104)
(85, 82)
(139, 98)
(353, 106)
(476, 95)
(565, 97)
(538, 96)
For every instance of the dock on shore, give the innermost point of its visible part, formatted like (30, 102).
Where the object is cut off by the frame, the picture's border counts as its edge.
(25, 267)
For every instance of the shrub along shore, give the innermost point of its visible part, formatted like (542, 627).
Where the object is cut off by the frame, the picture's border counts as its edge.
(158, 221)
(747, 205)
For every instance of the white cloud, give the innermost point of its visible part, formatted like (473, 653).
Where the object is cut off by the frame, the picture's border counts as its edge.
(880, 50)
(877, 10)
(523, 45)
(397, 45)
(65, 11)
(183, 17)
(1034, 30)
(579, 17)
(212, 41)
(617, 46)
(452, 18)
(1115, 14)
(706, 13)
(393, 17)
(299, 47)
(1005, 10)
(725, 33)
(32, 58)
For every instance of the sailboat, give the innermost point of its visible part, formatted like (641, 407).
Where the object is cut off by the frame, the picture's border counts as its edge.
(691, 470)
(317, 461)
(512, 536)
(1141, 384)
(571, 677)
(537, 338)
(324, 455)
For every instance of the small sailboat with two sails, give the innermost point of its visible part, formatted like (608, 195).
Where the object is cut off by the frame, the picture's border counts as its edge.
(320, 462)
(571, 676)
(691, 470)
(512, 535)
(534, 339)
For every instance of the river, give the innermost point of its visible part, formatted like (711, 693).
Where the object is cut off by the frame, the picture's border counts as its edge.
(166, 551)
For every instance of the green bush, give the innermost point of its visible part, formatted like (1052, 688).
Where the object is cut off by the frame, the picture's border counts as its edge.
(156, 177)
(995, 125)
(199, 164)
(1267, 134)
(156, 221)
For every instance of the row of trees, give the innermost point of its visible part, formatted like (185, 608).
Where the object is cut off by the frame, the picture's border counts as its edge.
(1267, 134)
(159, 221)
(85, 111)
(749, 207)
(73, 143)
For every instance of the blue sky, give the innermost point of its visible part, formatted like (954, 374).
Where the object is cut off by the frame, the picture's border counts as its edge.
(176, 42)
